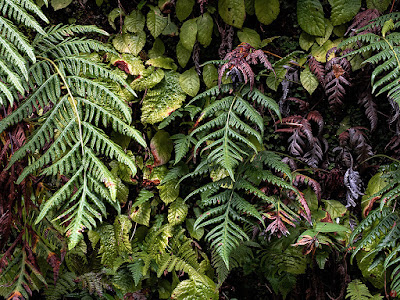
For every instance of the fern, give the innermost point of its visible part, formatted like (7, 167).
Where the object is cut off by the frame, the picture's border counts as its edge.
(82, 96)
(231, 207)
(227, 134)
(356, 290)
(384, 78)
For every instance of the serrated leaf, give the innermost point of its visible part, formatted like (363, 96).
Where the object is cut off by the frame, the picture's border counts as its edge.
(177, 212)
(141, 214)
(210, 75)
(233, 12)
(183, 9)
(129, 42)
(190, 82)
(308, 80)
(60, 4)
(328, 32)
(266, 11)
(163, 99)
(182, 54)
(306, 40)
(156, 22)
(134, 22)
(161, 147)
(310, 16)
(205, 26)
(380, 5)
(169, 191)
(162, 62)
(334, 208)
(188, 34)
(344, 10)
(250, 36)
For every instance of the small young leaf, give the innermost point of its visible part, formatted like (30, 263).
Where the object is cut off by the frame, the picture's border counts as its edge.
(266, 11)
(60, 4)
(310, 16)
(308, 80)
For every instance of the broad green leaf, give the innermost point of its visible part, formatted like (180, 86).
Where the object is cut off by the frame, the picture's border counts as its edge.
(60, 4)
(247, 35)
(134, 22)
(329, 227)
(130, 64)
(375, 184)
(163, 99)
(129, 42)
(171, 29)
(162, 62)
(308, 80)
(210, 75)
(267, 41)
(340, 30)
(183, 55)
(158, 49)
(380, 5)
(334, 208)
(306, 41)
(188, 34)
(177, 212)
(190, 82)
(156, 22)
(328, 32)
(310, 16)
(266, 11)
(344, 10)
(161, 147)
(233, 12)
(183, 9)
(205, 29)
(169, 191)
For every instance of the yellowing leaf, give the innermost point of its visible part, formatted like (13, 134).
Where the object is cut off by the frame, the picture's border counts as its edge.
(177, 212)
(148, 79)
(161, 147)
(127, 62)
(308, 80)
(310, 16)
(162, 62)
(190, 82)
(266, 11)
(188, 34)
(233, 12)
(60, 4)
(130, 43)
(334, 208)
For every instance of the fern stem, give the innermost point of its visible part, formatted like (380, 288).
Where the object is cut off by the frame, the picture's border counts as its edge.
(71, 100)
(394, 52)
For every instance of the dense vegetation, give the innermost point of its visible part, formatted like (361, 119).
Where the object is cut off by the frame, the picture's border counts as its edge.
(182, 149)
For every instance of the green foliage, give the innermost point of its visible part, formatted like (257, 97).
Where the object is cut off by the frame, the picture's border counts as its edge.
(356, 290)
